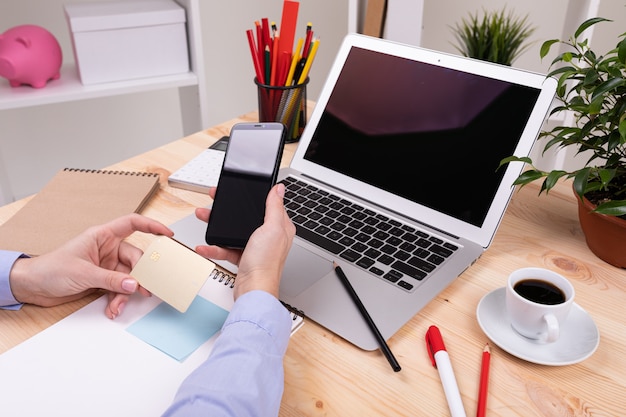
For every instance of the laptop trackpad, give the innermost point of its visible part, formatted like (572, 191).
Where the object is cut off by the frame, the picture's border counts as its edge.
(302, 269)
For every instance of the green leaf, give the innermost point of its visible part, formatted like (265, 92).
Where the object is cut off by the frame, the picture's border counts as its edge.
(545, 47)
(524, 159)
(621, 51)
(612, 208)
(608, 86)
(552, 179)
(528, 177)
(566, 70)
(580, 181)
(606, 175)
(588, 23)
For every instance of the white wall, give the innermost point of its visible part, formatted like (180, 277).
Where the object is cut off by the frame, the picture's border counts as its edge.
(36, 142)
(441, 15)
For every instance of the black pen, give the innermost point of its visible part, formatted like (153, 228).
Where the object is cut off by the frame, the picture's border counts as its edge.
(379, 337)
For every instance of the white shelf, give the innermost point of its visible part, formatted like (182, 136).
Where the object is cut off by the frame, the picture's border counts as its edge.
(69, 88)
(191, 88)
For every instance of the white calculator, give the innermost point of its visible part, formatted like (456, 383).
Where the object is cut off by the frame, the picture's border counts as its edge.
(203, 171)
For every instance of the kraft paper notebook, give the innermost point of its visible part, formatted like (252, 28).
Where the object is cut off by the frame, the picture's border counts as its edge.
(72, 201)
(88, 365)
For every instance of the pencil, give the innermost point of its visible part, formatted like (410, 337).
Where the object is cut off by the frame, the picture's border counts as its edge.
(484, 382)
(294, 62)
(255, 57)
(309, 62)
(379, 337)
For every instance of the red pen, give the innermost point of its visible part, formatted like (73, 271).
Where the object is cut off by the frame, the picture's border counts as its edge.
(440, 359)
(484, 382)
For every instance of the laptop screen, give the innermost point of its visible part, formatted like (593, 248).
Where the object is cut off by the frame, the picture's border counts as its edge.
(423, 132)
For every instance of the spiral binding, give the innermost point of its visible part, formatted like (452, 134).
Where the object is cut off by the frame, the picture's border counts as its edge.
(227, 279)
(296, 312)
(111, 172)
(223, 277)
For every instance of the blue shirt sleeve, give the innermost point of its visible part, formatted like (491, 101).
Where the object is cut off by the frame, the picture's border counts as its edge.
(243, 375)
(7, 259)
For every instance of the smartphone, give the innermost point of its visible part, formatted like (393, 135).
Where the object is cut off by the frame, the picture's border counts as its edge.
(248, 173)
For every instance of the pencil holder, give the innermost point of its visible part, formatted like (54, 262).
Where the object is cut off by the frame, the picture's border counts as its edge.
(284, 104)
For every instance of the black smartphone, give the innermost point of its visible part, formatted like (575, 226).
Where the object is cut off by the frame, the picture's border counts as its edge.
(248, 173)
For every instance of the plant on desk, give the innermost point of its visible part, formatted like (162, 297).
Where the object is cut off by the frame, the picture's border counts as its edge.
(498, 37)
(593, 87)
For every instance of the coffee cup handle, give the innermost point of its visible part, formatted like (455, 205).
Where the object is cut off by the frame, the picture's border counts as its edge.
(552, 326)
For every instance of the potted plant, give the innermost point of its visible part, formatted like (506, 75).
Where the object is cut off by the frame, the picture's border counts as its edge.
(498, 37)
(593, 87)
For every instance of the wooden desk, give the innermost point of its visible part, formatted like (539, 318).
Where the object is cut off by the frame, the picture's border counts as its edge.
(326, 376)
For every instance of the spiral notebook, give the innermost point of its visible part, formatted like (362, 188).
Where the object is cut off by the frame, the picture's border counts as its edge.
(72, 201)
(88, 365)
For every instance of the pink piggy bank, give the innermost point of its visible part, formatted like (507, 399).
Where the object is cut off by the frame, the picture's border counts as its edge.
(29, 54)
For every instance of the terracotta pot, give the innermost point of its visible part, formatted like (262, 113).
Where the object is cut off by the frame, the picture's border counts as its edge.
(605, 235)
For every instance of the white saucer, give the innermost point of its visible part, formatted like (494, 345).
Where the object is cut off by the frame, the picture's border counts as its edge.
(579, 335)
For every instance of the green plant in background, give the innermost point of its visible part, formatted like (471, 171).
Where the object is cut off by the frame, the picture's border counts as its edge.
(496, 37)
(593, 87)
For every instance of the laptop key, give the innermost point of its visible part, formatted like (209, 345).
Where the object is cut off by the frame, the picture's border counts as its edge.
(450, 246)
(375, 243)
(405, 285)
(392, 276)
(365, 262)
(310, 224)
(334, 235)
(376, 271)
(321, 241)
(298, 219)
(402, 255)
(350, 232)
(381, 235)
(346, 241)
(385, 259)
(409, 270)
(388, 249)
(359, 247)
(350, 255)
(322, 230)
(441, 251)
(421, 264)
(436, 259)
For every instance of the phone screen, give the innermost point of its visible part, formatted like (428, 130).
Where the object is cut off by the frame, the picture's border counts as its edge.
(249, 171)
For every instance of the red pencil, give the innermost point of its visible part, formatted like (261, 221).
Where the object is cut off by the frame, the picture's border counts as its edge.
(255, 57)
(484, 382)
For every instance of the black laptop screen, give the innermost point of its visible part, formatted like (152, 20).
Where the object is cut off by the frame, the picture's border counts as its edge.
(423, 132)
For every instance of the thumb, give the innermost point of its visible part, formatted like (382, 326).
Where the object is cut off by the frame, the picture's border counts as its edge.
(113, 281)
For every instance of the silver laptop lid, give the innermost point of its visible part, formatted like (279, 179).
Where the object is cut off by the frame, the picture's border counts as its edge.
(422, 133)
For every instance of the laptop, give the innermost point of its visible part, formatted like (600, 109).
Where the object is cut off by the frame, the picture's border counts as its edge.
(396, 179)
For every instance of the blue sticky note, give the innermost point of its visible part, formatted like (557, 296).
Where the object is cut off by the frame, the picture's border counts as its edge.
(179, 334)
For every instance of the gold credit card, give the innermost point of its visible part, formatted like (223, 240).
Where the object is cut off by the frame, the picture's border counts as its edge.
(172, 271)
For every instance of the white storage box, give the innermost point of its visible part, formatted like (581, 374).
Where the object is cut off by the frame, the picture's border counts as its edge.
(123, 40)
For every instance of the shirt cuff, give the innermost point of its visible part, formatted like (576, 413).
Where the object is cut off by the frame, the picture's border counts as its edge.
(265, 311)
(7, 259)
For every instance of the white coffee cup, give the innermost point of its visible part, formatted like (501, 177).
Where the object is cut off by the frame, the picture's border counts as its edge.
(538, 309)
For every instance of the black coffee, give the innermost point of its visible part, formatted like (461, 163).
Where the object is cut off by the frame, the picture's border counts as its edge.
(539, 291)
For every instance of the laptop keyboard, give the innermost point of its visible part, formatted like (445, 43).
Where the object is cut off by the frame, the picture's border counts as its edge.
(397, 252)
